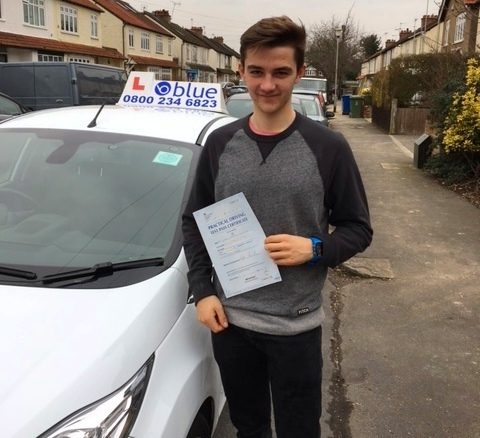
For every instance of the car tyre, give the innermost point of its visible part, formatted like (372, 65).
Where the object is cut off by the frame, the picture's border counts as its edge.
(200, 428)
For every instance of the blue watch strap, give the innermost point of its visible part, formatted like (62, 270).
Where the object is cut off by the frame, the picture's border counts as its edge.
(317, 249)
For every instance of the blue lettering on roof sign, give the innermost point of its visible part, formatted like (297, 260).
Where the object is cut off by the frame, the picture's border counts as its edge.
(186, 89)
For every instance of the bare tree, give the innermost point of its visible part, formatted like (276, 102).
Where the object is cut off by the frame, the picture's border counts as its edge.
(322, 45)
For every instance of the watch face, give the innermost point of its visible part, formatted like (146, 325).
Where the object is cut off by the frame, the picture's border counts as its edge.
(318, 249)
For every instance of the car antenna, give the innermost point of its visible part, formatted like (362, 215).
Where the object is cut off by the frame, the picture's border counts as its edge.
(93, 123)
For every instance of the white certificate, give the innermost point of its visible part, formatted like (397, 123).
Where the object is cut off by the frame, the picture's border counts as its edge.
(235, 242)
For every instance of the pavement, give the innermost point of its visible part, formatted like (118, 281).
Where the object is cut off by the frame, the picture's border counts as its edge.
(401, 341)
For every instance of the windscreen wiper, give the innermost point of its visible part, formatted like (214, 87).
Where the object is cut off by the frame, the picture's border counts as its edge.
(101, 270)
(19, 273)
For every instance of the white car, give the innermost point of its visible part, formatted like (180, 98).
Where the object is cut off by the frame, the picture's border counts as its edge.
(98, 335)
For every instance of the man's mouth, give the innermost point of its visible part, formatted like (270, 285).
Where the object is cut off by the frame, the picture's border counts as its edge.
(266, 96)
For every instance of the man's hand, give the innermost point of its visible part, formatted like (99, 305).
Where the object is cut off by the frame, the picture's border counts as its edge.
(210, 313)
(288, 250)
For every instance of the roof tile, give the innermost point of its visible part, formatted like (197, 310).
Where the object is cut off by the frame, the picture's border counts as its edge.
(144, 60)
(129, 15)
(24, 41)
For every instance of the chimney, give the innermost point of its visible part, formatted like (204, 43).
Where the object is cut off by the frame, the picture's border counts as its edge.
(163, 14)
(197, 30)
(218, 39)
(428, 20)
(404, 34)
(390, 43)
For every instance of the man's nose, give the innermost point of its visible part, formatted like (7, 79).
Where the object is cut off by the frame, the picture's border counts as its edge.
(268, 83)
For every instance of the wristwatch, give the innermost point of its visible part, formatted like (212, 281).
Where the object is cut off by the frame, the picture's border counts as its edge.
(317, 249)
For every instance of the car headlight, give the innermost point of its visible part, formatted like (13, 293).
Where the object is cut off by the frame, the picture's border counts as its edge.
(112, 416)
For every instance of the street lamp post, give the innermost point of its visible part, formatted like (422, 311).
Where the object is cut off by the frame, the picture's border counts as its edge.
(338, 35)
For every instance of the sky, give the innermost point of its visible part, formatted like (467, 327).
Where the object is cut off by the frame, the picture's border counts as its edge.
(229, 18)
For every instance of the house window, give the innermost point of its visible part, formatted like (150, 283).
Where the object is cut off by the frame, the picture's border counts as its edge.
(34, 12)
(194, 54)
(159, 45)
(81, 59)
(161, 73)
(169, 47)
(47, 57)
(445, 34)
(460, 27)
(157, 71)
(93, 26)
(166, 74)
(145, 41)
(68, 19)
(131, 39)
(187, 56)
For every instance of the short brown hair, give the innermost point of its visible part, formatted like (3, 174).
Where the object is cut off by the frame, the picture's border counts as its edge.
(275, 32)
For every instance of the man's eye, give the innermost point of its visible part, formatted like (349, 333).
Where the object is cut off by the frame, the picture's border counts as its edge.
(255, 72)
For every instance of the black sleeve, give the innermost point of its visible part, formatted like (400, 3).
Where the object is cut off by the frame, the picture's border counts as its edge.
(345, 198)
(348, 210)
(202, 195)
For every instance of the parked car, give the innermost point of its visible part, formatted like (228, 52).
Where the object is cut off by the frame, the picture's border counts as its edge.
(314, 84)
(235, 89)
(40, 85)
(98, 330)
(241, 105)
(312, 107)
(10, 107)
(225, 86)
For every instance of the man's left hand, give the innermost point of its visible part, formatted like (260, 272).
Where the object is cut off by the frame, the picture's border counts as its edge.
(288, 250)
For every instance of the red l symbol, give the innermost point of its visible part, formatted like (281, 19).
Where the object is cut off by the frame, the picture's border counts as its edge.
(136, 84)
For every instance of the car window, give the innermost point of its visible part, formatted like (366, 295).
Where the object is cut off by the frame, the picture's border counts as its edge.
(298, 106)
(98, 85)
(74, 199)
(8, 107)
(239, 107)
(311, 107)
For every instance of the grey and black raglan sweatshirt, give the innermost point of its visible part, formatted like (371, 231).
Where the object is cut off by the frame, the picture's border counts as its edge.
(297, 182)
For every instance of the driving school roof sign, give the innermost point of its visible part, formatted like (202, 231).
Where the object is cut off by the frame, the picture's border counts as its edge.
(142, 89)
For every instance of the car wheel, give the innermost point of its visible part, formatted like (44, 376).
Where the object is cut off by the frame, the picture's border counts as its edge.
(200, 428)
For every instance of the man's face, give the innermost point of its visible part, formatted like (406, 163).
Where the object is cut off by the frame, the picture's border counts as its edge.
(270, 74)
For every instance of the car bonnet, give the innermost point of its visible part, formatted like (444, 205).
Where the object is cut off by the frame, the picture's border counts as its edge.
(62, 349)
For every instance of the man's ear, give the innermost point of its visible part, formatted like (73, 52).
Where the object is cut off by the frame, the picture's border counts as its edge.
(300, 72)
(241, 70)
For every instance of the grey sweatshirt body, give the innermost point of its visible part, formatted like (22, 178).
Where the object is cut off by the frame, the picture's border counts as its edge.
(286, 178)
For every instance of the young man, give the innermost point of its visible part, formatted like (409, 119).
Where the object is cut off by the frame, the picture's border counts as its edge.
(299, 178)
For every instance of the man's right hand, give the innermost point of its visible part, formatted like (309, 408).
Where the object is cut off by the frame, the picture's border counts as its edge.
(210, 313)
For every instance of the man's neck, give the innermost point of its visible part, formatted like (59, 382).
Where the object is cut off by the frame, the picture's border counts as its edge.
(272, 123)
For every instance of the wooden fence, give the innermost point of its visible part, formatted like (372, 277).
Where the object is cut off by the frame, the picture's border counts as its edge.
(401, 120)
(381, 117)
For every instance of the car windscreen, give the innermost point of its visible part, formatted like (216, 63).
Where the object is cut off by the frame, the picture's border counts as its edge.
(76, 199)
(312, 84)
